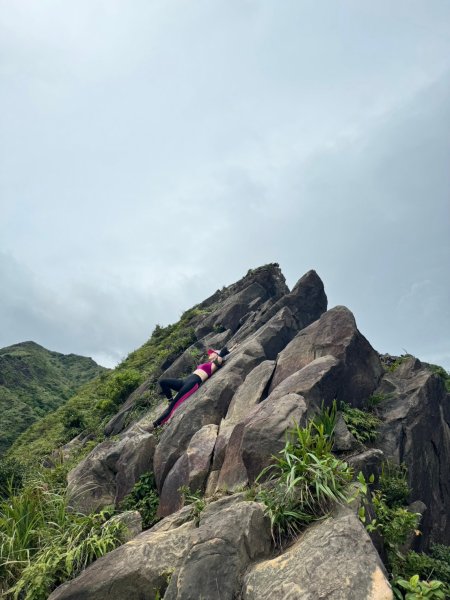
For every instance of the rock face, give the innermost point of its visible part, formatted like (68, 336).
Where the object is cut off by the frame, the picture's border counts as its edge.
(110, 471)
(335, 334)
(334, 560)
(289, 356)
(415, 431)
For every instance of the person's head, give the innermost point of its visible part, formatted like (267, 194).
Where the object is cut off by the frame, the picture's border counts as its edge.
(212, 354)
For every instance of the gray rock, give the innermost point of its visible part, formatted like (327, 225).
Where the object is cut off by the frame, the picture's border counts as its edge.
(319, 381)
(228, 538)
(109, 472)
(334, 559)
(336, 334)
(257, 438)
(344, 441)
(414, 431)
(135, 571)
(190, 470)
(131, 522)
(248, 395)
(368, 462)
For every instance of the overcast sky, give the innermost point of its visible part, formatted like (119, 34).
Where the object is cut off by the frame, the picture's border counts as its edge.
(152, 151)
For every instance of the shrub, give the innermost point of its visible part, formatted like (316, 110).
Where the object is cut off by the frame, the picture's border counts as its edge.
(121, 384)
(196, 499)
(327, 418)
(304, 481)
(144, 498)
(363, 425)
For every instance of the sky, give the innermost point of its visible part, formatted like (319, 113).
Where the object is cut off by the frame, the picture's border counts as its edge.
(153, 151)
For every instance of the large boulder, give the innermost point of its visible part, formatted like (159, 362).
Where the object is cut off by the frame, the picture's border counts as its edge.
(136, 571)
(230, 535)
(249, 394)
(190, 470)
(414, 431)
(318, 382)
(257, 438)
(334, 559)
(110, 471)
(335, 334)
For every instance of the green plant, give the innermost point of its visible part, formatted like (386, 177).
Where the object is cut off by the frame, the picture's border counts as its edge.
(427, 567)
(443, 374)
(393, 484)
(194, 498)
(42, 543)
(398, 361)
(440, 552)
(416, 589)
(375, 400)
(303, 482)
(327, 418)
(363, 425)
(144, 498)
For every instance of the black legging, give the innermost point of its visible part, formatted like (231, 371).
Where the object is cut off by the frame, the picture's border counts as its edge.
(183, 387)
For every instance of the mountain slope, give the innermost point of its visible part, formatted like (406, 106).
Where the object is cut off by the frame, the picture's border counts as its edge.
(35, 381)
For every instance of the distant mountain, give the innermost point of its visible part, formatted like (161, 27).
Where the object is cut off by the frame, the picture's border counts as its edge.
(35, 381)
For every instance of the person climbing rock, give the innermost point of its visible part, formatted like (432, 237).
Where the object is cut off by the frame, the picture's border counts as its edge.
(187, 386)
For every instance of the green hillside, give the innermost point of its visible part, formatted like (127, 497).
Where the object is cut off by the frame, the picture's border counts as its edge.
(35, 381)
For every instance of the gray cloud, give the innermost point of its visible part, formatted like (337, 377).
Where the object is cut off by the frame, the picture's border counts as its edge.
(153, 152)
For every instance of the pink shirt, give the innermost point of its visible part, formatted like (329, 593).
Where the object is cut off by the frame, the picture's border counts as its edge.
(207, 367)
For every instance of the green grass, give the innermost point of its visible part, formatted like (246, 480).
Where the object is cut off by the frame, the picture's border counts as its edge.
(43, 544)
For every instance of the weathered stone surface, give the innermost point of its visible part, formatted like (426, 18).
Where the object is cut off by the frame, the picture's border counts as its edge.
(334, 559)
(191, 470)
(307, 302)
(135, 571)
(414, 431)
(247, 396)
(368, 462)
(109, 472)
(319, 381)
(259, 436)
(344, 441)
(336, 334)
(210, 404)
(227, 539)
(131, 522)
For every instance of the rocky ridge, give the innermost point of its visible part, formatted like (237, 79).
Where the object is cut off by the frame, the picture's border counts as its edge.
(291, 357)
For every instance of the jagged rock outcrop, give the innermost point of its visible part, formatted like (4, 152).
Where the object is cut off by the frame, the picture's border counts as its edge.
(415, 431)
(290, 356)
(335, 334)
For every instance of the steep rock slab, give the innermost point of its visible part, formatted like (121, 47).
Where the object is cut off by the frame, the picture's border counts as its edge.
(191, 470)
(135, 571)
(228, 538)
(259, 436)
(336, 334)
(334, 560)
(319, 381)
(210, 404)
(307, 302)
(109, 472)
(247, 396)
(415, 431)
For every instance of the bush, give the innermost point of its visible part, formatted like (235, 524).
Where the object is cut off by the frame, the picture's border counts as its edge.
(363, 425)
(121, 384)
(144, 498)
(415, 589)
(304, 481)
(427, 567)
